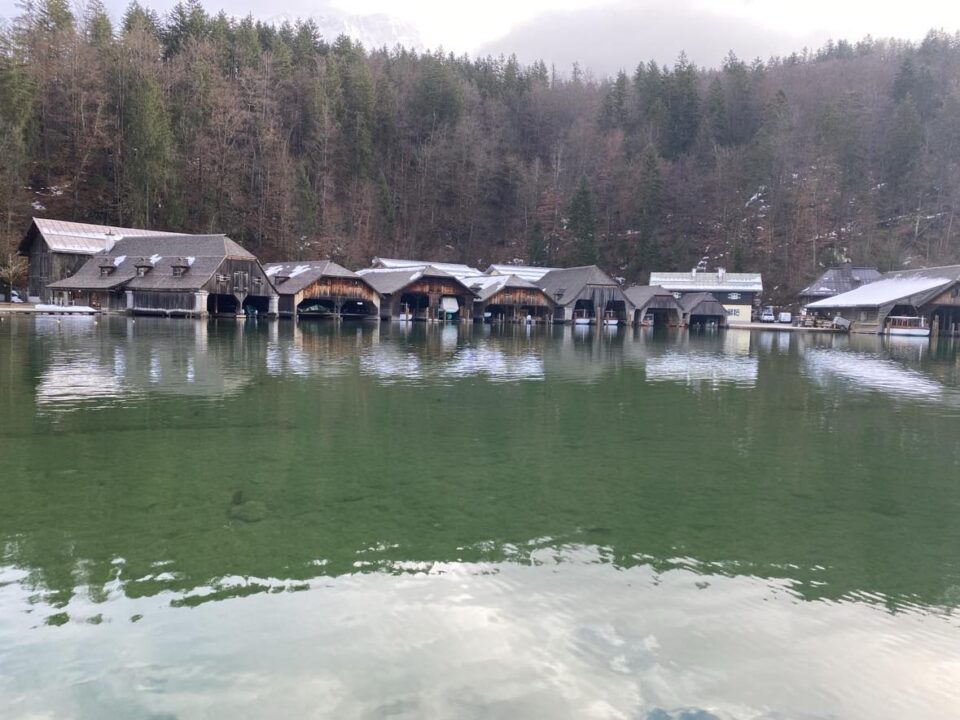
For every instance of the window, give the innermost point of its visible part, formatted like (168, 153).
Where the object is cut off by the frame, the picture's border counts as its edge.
(733, 296)
(104, 271)
(677, 295)
(142, 270)
(178, 270)
(222, 278)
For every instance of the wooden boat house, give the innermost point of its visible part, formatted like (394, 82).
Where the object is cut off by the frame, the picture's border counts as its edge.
(586, 295)
(654, 305)
(508, 298)
(932, 294)
(737, 292)
(57, 249)
(703, 310)
(171, 275)
(420, 293)
(322, 288)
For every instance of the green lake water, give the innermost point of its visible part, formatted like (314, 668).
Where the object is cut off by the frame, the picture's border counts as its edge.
(263, 520)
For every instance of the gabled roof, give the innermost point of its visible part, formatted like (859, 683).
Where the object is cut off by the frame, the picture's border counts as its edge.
(486, 286)
(702, 303)
(63, 236)
(303, 274)
(458, 270)
(533, 273)
(566, 284)
(200, 254)
(904, 287)
(387, 281)
(840, 279)
(702, 281)
(641, 295)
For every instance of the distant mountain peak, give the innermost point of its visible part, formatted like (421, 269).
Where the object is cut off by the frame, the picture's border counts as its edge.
(372, 31)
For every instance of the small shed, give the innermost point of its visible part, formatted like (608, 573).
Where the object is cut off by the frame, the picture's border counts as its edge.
(654, 305)
(703, 310)
(586, 294)
(57, 249)
(322, 288)
(171, 275)
(837, 280)
(420, 293)
(508, 298)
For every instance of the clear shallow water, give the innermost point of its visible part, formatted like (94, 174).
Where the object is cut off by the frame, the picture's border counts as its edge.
(203, 519)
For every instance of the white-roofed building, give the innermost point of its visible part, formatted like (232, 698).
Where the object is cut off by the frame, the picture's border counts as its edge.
(57, 249)
(458, 270)
(930, 293)
(737, 292)
(530, 273)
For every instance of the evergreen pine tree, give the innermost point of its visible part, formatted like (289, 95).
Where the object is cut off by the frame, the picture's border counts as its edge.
(582, 224)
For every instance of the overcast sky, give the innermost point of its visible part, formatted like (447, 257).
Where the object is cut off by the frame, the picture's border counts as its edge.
(604, 34)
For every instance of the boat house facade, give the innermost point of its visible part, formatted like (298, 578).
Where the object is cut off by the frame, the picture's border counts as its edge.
(703, 310)
(322, 288)
(654, 305)
(508, 298)
(586, 294)
(191, 275)
(420, 293)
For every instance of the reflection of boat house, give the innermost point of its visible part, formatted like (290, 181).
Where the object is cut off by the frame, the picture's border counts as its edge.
(737, 292)
(586, 294)
(420, 293)
(930, 293)
(57, 249)
(837, 280)
(703, 310)
(508, 298)
(654, 305)
(322, 288)
(171, 275)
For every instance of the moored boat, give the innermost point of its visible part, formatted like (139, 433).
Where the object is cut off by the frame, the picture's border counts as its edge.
(906, 325)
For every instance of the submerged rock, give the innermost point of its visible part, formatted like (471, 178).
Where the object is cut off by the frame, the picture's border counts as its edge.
(249, 511)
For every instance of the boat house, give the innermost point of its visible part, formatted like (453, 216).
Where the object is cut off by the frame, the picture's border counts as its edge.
(420, 293)
(56, 249)
(703, 310)
(837, 280)
(171, 275)
(322, 288)
(586, 295)
(932, 294)
(508, 298)
(737, 292)
(654, 305)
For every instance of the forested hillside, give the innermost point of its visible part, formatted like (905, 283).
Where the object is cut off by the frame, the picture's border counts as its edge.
(300, 146)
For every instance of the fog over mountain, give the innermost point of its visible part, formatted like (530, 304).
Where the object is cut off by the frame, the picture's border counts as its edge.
(616, 37)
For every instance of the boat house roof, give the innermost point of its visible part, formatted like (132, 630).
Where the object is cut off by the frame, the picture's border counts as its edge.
(533, 273)
(840, 279)
(703, 281)
(76, 238)
(904, 287)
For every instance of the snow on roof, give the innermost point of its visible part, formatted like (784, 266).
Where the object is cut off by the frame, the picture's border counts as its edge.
(883, 292)
(527, 272)
(299, 270)
(84, 238)
(118, 260)
(154, 259)
(701, 281)
(458, 270)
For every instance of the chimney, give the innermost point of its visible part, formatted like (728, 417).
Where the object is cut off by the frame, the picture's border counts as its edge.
(720, 273)
(693, 274)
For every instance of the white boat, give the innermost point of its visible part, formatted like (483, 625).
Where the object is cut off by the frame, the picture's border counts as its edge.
(580, 317)
(906, 325)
